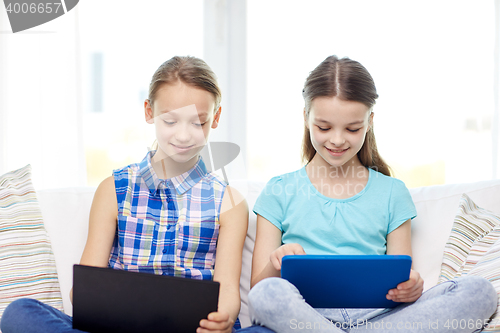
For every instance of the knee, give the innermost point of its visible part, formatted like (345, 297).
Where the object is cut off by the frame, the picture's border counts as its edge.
(14, 313)
(480, 293)
(267, 293)
(261, 291)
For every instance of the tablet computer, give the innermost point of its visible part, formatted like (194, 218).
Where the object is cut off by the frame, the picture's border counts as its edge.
(110, 300)
(346, 281)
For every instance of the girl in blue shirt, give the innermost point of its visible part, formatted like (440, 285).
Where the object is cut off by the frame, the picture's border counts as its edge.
(345, 202)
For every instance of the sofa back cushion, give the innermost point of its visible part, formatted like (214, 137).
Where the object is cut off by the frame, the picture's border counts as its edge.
(66, 216)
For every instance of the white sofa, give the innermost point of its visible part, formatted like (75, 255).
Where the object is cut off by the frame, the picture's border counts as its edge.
(66, 211)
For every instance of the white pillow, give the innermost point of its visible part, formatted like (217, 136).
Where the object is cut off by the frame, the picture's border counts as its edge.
(27, 266)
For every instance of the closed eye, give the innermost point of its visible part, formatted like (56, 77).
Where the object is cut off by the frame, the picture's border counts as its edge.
(200, 125)
(353, 130)
(322, 129)
(169, 122)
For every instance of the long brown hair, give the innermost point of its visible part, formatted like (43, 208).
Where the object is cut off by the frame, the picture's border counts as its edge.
(189, 70)
(350, 81)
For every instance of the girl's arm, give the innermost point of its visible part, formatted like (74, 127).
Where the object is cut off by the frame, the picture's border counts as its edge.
(233, 229)
(399, 242)
(102, 226)
(268, 251)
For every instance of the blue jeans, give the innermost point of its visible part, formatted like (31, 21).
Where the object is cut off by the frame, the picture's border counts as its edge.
(461, 305)
(31, 316)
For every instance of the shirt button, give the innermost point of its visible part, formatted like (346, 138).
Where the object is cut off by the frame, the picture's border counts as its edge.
(164, 250)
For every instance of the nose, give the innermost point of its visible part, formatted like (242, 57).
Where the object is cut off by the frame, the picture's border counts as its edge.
(337, 139)
(182, 133)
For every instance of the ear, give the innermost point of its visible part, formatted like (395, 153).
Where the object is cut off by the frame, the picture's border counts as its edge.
(370, 122)
(305, 118)
(215, 123)
(148, 112)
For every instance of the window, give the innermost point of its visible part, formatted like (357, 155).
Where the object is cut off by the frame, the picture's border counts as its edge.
(432, 62)
(72, 90)
(122, 44)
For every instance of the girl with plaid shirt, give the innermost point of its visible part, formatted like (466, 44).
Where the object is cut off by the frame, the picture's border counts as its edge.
(167, 214)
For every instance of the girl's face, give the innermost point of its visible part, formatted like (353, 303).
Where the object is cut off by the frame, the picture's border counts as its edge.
(183, 116)
(338, 129)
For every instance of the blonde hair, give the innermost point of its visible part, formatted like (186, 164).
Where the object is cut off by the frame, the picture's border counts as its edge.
(189, 70)
(350, 81)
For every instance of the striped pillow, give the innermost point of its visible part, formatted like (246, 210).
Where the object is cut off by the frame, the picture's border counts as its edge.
(27, 266)
(484, 260)
(471, 225)
(474, 249)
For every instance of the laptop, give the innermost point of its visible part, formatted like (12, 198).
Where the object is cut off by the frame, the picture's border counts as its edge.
(346, 281)
(109, 300)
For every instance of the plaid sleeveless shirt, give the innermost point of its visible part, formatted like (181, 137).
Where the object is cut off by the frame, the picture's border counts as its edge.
(170, 226)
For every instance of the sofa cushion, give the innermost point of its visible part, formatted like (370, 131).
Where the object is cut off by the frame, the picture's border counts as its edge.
(250, 190)
(65, 214)
(27, 266)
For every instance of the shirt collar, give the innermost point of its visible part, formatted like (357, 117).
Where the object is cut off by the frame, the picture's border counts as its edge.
(182, 183)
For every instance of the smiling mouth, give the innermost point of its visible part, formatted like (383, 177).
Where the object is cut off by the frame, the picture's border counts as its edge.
(183, 148)
(336, 150)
